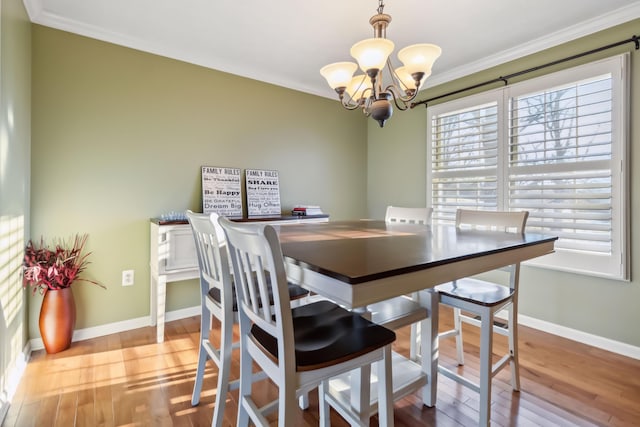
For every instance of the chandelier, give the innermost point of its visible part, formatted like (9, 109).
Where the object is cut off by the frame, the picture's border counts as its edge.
(368, 91)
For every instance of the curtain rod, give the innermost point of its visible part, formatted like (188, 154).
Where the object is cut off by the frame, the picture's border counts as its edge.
(634, 39)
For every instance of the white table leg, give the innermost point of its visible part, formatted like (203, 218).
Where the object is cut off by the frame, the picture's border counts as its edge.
(429, 345)
(161, 297)
(486, 350)
(153, 298)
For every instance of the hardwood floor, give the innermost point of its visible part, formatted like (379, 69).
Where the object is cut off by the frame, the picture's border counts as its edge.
(127, 379)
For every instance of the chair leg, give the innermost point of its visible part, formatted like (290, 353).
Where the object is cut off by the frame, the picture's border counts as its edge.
(202, 357)
(385, 390)
(303, 401)
(246, 380)
(459, 342)
(287, 408)
(513, 347)
(414, 344)
(486, 350)
(226, 349)
(360, 393)
(325, 411)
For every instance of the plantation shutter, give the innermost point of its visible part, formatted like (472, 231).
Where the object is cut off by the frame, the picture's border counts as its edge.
(464, 152)
(556, 146)
(560, 162)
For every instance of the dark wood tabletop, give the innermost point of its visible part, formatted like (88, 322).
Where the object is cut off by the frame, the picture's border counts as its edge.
(361, 251)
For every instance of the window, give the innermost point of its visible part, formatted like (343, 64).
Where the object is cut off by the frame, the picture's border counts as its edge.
(554, 146)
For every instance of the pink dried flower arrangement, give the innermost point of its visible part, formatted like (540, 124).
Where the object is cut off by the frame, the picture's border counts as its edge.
(50, 269)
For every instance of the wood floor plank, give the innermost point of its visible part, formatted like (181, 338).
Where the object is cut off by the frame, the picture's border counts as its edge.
(127, 379)
(67, 409)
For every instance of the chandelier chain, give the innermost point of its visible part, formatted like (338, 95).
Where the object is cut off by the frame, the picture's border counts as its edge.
(380, 6)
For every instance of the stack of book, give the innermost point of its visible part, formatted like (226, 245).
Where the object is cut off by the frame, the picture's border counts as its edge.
(305, 210)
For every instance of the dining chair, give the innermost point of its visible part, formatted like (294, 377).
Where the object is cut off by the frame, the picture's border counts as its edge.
(404, 310)
(393, 313)
(216, 300)
(397, 214)
(298, 348)
(476, 302)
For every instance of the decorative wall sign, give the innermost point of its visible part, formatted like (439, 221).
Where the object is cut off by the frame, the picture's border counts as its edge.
(222, 191)
(263, 192)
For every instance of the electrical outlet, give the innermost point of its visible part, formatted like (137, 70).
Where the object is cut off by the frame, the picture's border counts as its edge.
(127, 278)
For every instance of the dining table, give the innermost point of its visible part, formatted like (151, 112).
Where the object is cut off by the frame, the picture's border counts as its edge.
(362, 262)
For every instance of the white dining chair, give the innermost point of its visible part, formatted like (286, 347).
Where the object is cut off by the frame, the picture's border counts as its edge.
(302, 347)
(404, 310)
(393, 313)
(404, 215)
(476, 302)
(216, 300)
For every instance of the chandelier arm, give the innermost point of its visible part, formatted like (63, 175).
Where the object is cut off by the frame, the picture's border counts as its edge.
(397, 93)
(366, 106)
(346, 101)
(395, 80)
(397, 86)
(398, 100)
(349, 105)
(372, 94)
(410, 96)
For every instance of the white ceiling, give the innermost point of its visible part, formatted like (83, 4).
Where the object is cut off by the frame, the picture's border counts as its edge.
(286, 42)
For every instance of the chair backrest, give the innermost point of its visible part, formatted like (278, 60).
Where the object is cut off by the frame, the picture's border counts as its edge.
(514, 222)
(492, 220)
(397, 214)
(213, 260)
(259, 271)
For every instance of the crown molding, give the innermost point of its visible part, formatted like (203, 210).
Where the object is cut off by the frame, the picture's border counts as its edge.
(582, 29)
(39, 15)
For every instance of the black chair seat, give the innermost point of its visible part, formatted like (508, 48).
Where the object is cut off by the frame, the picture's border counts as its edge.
(476, 291)
(295, 292)
(327, 334)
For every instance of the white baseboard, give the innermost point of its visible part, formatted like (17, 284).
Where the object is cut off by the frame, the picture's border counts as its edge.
(125, 325)
(551, 328)
(582, 337)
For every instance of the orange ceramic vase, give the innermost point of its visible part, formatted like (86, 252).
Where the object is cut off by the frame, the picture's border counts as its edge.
(57, 319)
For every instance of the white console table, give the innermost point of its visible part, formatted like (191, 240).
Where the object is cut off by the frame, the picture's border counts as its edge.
(173, 258)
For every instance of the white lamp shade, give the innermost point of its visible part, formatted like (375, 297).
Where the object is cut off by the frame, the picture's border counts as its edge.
(357, 86)
(407, 79)
(372, 53)
(338, 74)
(419, 57)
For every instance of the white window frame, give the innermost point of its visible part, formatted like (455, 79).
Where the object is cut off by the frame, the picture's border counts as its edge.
(617, 264)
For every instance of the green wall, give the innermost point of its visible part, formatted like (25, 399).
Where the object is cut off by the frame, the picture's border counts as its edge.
(15, 127)
(396, 174)
(119, 136)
